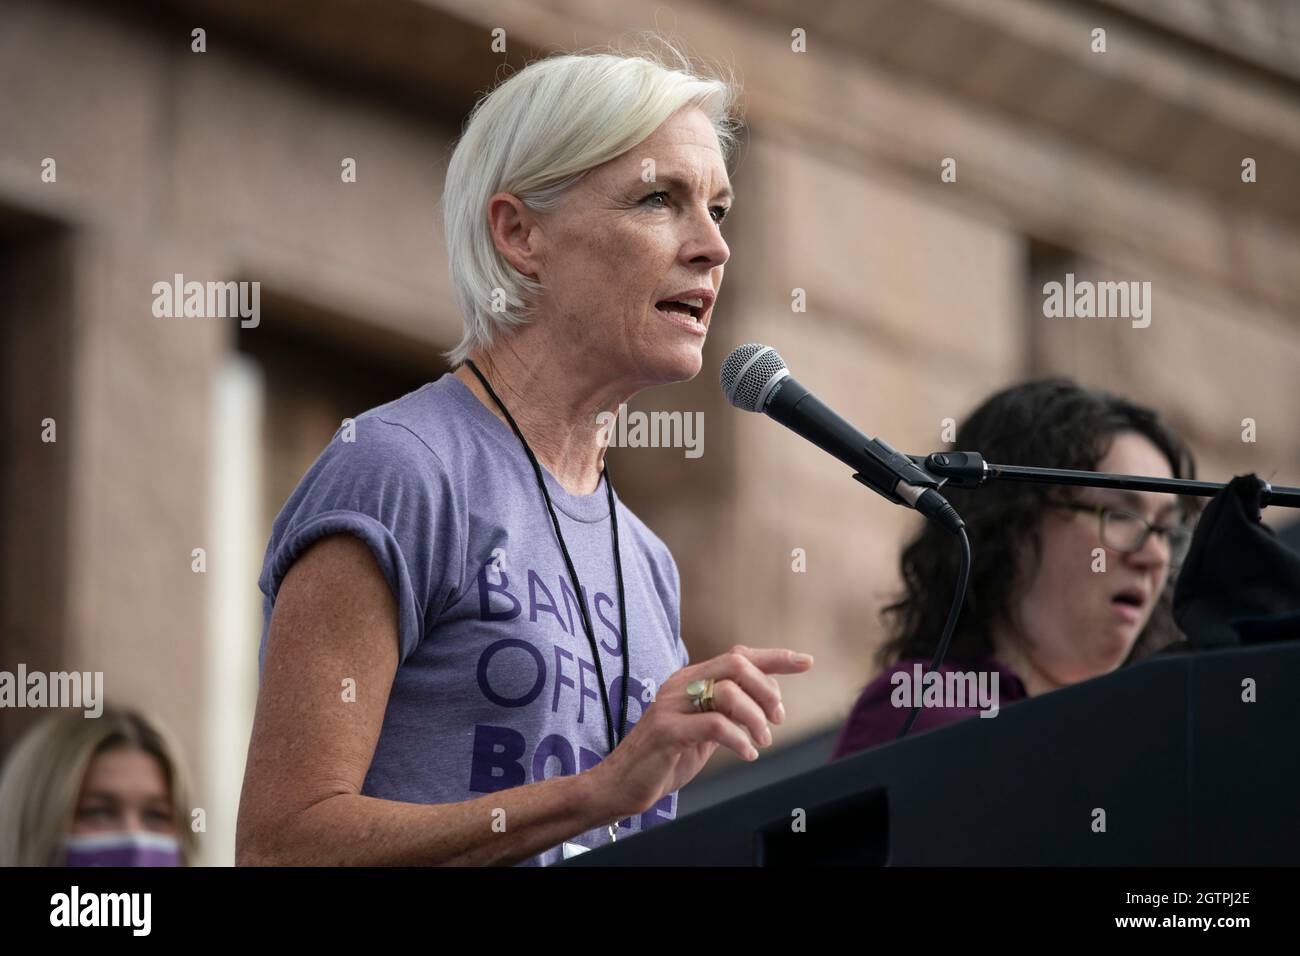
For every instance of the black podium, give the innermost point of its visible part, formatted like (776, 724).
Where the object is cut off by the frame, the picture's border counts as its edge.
(1186, 772)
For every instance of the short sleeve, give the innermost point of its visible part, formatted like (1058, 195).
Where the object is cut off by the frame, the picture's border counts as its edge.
(391, 490)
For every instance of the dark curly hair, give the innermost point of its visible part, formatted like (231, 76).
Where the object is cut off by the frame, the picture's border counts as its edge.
(1052, 423)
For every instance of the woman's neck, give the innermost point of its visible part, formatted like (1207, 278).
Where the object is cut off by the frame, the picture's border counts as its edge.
(1008, 649)
(555, 405)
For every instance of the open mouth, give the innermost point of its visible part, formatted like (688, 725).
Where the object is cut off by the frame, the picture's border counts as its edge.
(1128, 604)
(690, 309)
(1129, 598)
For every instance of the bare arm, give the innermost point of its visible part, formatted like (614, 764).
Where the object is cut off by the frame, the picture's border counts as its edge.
(301, 803)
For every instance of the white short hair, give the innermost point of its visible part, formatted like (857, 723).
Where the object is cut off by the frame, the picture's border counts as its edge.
(538, 133)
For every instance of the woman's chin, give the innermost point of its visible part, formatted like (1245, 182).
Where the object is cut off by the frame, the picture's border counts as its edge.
(1113, 649)
(679, 362)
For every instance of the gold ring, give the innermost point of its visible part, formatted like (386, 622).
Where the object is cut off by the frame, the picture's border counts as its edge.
(700, 693)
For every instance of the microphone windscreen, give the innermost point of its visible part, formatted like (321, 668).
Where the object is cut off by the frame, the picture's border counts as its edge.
(747, 374)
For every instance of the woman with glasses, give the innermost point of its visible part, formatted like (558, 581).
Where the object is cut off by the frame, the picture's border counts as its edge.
(1066, 583)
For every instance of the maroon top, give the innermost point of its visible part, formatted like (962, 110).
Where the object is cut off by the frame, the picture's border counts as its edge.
(876, 719)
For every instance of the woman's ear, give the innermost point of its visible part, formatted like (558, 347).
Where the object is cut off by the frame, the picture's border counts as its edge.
(515, 232)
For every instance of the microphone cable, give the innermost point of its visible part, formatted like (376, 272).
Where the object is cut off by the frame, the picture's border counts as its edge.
(954, 611)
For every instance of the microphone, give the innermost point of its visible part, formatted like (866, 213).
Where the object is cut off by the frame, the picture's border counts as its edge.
(755, 379)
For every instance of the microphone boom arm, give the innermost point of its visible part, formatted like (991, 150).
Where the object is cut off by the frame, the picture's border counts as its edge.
(968, 469)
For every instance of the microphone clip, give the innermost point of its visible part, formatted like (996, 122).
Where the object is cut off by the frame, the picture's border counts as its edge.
(896, 470)
(960, 469)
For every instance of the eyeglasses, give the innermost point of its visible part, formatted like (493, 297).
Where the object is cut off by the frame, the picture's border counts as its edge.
(1128, 532)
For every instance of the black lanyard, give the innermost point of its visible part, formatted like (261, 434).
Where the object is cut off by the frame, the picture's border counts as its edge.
(573, 575)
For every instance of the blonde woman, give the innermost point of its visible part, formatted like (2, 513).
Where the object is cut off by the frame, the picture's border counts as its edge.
(106, 791)
(471, 649)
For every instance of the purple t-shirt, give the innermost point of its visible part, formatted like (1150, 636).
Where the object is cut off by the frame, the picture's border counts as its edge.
(495, 686)
(876, 717)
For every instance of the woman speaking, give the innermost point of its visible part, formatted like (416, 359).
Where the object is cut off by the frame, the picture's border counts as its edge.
(471, 650)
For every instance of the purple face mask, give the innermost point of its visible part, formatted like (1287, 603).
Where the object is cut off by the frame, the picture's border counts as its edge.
(122, 849)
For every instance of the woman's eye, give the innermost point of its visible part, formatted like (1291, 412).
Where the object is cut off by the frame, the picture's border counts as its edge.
(717, 213)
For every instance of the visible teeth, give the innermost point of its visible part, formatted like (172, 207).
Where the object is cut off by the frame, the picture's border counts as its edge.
(697, 302)
(680, 307)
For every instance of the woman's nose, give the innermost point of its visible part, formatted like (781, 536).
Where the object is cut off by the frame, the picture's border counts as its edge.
(705, 244)
(1155, 551)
